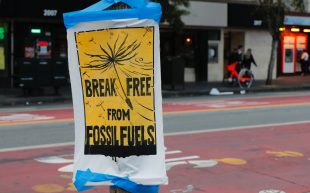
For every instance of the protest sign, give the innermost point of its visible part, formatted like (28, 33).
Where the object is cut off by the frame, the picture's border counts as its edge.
(114, 65)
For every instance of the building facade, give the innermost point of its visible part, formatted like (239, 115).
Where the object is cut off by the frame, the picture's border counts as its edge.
(226, 25)
(33, 41)
(33, 48)
(247, 27)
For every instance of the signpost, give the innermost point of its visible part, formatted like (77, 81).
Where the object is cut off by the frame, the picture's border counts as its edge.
(115, 78)
(117, 190)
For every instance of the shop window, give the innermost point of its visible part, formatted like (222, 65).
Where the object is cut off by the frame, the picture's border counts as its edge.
(40, 41)
(37, 42)
(43, 48)
(29, 52)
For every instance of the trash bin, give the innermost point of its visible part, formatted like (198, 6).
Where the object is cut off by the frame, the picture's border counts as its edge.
(177, 65)
(165, 71)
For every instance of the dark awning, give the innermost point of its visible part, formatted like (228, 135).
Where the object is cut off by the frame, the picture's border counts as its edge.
(40, 9)
(245, 15)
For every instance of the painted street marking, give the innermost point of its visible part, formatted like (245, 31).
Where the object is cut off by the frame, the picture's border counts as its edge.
(48, 188)
(232, 161)
(203, 163)
(67, 168)
(36, 147)
(182, 158)
(24, 117)
(171, 164)
(285, 153)
(66, 176)
(189, 188)
(54, 160)
(17, 118)
(237, 128)
(207, 160)
(71, 187)
(218, 103)
(271, 191)
(167, 134)
(173, 152)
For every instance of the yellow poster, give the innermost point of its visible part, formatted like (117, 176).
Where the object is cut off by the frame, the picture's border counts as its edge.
(2, 59)
(117, 77)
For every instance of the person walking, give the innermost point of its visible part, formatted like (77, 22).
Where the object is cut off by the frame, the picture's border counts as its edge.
(248, 59)
(236, 55)
(304, 62)
(240, 53)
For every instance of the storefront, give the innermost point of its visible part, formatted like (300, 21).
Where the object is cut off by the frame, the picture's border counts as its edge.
(34, 45)
(33, 49)
(294, 39)
(199, 45)
(194, 50)
(292, 45)
(247, 27)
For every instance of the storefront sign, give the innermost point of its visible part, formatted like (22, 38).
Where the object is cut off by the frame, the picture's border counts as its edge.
(40, 9)
(296, 20)
(115, 75)
(50, 12)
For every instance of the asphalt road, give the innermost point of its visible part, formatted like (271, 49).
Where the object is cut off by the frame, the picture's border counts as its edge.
(237, 144)
(181, 114)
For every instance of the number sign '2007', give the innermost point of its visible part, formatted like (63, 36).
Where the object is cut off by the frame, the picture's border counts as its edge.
(49, 12)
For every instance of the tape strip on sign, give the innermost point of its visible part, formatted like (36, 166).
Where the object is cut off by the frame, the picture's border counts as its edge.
(123, 183)
(139, 9)
(114, 65)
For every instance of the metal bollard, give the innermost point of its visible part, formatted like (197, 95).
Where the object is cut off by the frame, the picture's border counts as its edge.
(118, 6)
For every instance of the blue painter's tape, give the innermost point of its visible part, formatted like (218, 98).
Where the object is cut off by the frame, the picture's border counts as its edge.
(82, 177)
(139, 9)
(101, 5)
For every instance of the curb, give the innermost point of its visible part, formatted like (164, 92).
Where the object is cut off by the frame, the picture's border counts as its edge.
(27, 101)
(12, 99)
(235, 91)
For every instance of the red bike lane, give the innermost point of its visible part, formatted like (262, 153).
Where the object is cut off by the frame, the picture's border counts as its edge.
(235, 103)
(59, 115)
(232, 161)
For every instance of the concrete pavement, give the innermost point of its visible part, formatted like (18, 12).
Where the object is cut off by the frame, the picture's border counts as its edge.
(16, 96)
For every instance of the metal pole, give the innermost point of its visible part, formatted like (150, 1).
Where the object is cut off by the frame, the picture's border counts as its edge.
(117, 190)
(117, 6)
(12, 52)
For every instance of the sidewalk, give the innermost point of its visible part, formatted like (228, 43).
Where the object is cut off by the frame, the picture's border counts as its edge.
(284, 83)
(12, 97)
